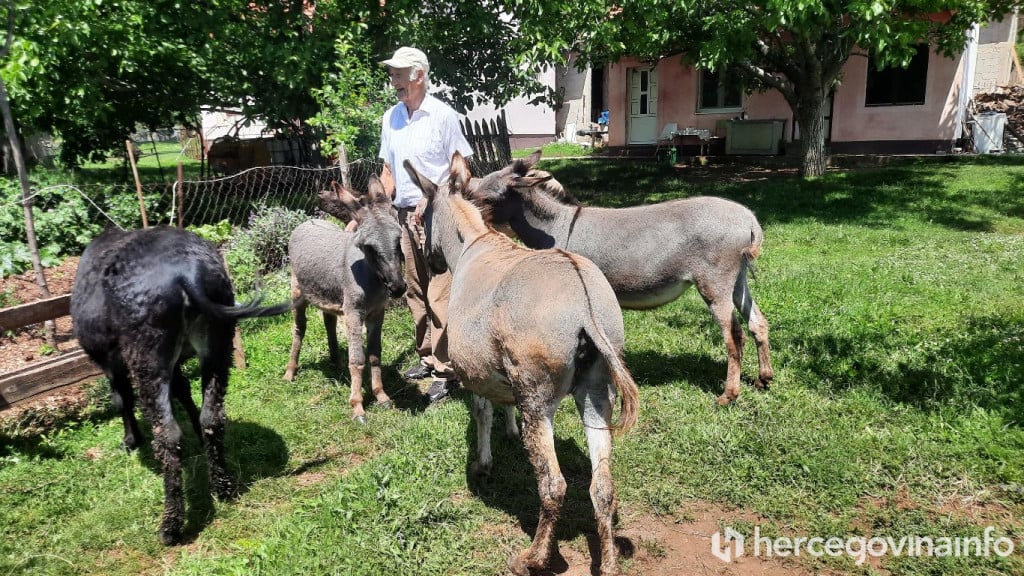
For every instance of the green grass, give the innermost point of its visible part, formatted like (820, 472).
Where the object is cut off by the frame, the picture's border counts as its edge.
(158, 163)
(898, 343)
(556, 150)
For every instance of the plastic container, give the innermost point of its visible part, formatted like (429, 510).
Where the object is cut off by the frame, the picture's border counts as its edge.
(988, 132)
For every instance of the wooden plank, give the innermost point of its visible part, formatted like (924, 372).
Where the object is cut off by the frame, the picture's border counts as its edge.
(34, 312)
(70, 368)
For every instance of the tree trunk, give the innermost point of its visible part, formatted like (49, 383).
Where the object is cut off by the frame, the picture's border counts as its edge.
(26, 202)
(810, 118)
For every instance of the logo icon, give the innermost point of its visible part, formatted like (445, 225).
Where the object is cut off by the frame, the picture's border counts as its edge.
(733, 545)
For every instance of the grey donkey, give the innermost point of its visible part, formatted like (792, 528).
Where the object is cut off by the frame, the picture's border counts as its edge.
(650, 254)
(349, 274)
(529, 327)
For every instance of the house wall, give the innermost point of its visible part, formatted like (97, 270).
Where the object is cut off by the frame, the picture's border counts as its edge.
(995, 54)
(856, 128)
(931, 122)
(576, 105)
(528, 124)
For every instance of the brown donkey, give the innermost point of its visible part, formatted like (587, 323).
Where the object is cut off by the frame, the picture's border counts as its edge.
(650, 254)
(528, 327)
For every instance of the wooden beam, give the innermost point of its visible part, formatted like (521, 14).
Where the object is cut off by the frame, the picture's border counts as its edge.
(64, 370)
(35, 312)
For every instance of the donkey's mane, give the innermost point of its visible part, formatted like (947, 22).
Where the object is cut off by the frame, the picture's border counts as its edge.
(468, 218)
(554, 188)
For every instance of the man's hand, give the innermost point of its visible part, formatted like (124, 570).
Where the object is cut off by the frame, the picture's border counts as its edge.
(388, 180)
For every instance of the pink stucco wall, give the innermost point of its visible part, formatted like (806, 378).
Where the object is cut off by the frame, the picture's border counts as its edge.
(933, 120)
(852, 121)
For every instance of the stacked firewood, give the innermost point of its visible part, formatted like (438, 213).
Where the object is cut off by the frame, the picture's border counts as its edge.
(1010, 101)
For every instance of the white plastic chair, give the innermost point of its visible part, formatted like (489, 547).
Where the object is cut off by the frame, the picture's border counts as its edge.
(667, 137)
(569, 135)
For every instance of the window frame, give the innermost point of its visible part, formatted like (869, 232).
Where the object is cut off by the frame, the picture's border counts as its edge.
(905, 86)
(721, 93)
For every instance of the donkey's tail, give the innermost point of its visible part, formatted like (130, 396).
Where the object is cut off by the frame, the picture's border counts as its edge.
(629, 395)
(237, 312)
(752, 250)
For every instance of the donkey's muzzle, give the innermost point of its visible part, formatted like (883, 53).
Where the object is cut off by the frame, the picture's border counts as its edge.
(396, 289)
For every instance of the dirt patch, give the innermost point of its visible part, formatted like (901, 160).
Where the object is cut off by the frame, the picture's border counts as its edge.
(27, 346)
(673, 545)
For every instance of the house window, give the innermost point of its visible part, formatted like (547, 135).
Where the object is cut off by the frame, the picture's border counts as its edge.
(718, 93)
(899, 86)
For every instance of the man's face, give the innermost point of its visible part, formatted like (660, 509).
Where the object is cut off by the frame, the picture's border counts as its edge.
(408, 91)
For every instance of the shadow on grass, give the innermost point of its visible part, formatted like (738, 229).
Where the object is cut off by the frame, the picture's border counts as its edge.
(252, 452)
(512, 488)
(982, 365)
(405, 396)
(652, 368)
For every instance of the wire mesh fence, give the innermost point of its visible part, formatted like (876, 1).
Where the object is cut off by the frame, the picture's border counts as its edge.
(196, 202)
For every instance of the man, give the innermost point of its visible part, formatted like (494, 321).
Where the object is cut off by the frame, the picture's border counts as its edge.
(426, 131)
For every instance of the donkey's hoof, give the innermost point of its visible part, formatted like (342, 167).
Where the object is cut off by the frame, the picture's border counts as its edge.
(479, 471)
(225, 490)
(518, 566)
(724, 400)
(386, 405)
(170, 536)
(763, 383)
(360, 419)
(289, 375)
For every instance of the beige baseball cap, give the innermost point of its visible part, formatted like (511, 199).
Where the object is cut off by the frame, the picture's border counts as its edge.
(407, 57)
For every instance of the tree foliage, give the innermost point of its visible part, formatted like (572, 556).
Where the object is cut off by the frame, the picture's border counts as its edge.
(92, 71)
(797, 47)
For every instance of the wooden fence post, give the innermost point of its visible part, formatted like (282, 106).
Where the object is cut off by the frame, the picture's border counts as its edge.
(138, 185)
(181, 195)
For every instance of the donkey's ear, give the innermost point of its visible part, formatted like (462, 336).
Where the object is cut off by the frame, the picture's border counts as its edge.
(376, 193)
(349, 200)
(523, 165)
(531, 180)
(460, 175)
(428, 187)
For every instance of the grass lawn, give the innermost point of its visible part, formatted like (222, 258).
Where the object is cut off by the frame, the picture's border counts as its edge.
(897, 410)
(157, 163)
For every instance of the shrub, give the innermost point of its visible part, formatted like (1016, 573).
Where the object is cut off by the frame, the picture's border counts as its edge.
(263, 246)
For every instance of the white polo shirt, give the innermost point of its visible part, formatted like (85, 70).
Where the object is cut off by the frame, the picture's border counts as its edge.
(428, 139)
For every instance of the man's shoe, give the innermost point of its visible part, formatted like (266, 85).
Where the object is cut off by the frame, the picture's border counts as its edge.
(438, 392)
(417, 372)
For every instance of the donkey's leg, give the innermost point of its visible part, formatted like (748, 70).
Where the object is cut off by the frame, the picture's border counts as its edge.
(594, 400)
(758, 325)
(154, 383)
(732, 333)
(215, 364)
(538, 436)
(374, 325)
(123, 397)
(483, 416)
(511, 428)
(331, 326)
(356, 364)
(298, 330)
(182, 392)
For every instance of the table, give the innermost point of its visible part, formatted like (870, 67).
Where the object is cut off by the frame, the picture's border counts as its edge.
(703, 134)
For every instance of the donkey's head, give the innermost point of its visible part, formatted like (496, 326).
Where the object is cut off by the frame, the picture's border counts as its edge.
(378, 235)
(500, 194)
(448, 219)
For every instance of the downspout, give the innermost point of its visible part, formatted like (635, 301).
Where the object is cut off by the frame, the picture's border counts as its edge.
(967, 81)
